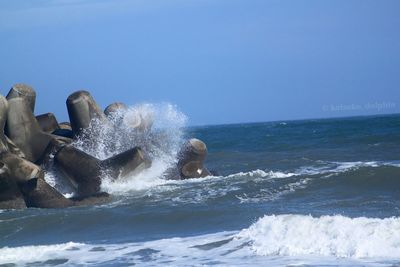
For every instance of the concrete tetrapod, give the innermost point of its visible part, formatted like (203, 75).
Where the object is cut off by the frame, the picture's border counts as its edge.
(23, 91)
(82, 109)
(191, 159)
(10, 194)
(22, 183)
(14, 170)
(47, 122)
(23, 129)
(115, 108)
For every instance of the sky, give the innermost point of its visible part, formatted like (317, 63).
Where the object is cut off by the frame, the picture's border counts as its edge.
(218, 61)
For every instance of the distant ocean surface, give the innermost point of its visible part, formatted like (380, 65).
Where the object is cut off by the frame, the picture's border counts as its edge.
(290, 193)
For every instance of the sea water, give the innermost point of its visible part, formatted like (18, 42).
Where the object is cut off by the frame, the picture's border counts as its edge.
(290, 193)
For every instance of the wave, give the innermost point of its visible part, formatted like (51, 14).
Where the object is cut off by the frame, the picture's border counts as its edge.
(26, 254)
(326, 168)
(274, 240)
(248, 187)
(262, 174)
(338, 236)
(335, 167)
(154, 176)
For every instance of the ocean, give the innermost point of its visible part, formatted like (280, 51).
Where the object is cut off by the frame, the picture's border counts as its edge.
(321, 192)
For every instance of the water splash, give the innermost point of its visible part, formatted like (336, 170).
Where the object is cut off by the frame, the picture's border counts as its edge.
(156, 128)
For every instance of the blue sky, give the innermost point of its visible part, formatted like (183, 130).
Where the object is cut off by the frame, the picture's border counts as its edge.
(218, 61)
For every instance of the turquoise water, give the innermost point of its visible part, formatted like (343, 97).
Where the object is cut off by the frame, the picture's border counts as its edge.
(311, 192)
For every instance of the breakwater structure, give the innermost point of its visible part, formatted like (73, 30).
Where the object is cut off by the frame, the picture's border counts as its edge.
(28, 143)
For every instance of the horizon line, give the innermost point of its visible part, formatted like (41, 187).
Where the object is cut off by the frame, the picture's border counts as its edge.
(293, 120)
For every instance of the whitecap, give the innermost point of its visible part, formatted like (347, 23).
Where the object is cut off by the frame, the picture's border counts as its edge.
(338, 236)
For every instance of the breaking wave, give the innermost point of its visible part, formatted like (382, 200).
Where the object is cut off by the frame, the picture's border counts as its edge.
(301, 239)
(339, 236)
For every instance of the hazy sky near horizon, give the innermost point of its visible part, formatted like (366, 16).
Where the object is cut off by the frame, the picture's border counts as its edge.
(219, 61)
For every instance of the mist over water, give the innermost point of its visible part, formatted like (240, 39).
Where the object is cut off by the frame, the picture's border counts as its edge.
(314, 192)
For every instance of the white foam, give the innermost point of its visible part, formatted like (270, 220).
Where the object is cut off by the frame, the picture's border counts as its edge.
(327, 168)
(341, 167)
(34, 253)
(394, 163)
(147, 179)
(261, 174)
(338, 236)
(345, 166)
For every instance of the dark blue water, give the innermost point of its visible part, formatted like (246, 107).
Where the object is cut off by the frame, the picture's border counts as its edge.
(312, 192)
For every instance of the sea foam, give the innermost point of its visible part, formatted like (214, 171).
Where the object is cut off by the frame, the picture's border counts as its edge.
(339, 236)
